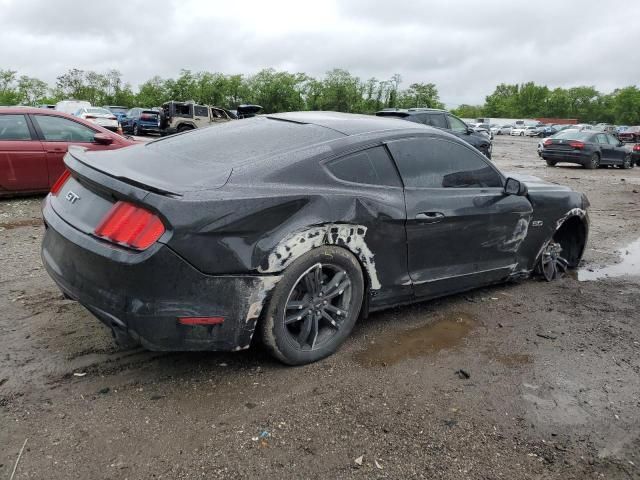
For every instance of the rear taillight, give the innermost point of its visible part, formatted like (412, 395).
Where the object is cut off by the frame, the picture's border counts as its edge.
(636, 148)
(62, 179)
(548, 142)
(577, 145)
(131, 226)
(90, 117)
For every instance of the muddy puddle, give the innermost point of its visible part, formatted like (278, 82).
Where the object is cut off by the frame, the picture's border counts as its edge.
(443, 334)
(629, 265)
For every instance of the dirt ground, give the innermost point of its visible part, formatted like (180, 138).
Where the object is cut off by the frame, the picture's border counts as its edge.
(553, 388)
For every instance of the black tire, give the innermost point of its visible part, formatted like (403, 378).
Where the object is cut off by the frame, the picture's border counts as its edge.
(310, 336)
(522, 134)
(551, 163)
(136, 130)
(594, 162)
(627, 162)
(184, 128)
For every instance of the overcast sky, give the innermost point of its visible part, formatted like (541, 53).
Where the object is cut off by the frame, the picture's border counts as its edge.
(465, 47)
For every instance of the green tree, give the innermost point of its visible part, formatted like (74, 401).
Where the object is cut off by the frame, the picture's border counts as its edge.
(469, 111)
(420, 95)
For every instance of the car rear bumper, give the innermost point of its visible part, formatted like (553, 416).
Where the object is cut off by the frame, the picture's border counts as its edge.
(141, 295)
(565, 156)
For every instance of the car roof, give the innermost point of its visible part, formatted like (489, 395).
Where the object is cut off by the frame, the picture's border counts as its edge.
(35, 111)
(344, 123)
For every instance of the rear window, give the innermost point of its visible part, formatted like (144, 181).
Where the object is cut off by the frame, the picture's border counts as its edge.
(234, 143)
(371, 167)
(568, 135)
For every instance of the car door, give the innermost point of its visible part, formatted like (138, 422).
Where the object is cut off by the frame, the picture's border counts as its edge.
(23, 166)
(607, 156)
(56, 134)
(202, 115)
(462, 229)
(617, 152)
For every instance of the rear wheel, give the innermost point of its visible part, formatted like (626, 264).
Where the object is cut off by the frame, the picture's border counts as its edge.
(522, 134)
(314, 306)
(627, 162)
(136, 129)
(594, 162)
(184, 128)
(551, 163)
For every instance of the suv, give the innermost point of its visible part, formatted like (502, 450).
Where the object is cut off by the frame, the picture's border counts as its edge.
(443, 120)
(139, 121)
(183, 116)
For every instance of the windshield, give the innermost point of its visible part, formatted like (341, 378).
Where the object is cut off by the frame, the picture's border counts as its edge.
(101, 111)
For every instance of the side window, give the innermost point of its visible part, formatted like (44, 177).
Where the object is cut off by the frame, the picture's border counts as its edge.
(601, 138)
(456, 124)
(432, 162)
(371, 167)
(201, 111)
(58, 129)
(612, 140)
(14, 127)
(437, 120)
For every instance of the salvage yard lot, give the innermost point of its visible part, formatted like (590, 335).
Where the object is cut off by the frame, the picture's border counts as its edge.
(553, 368)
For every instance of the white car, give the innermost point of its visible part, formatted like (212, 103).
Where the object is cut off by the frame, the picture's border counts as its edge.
(99, 116)
(504, 130)
(71, 106)
(522, 130)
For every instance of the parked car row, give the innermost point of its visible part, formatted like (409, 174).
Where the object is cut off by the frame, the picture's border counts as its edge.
(33, 142)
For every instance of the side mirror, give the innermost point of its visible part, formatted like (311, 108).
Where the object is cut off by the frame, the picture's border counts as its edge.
(102, 139)
(515, 187)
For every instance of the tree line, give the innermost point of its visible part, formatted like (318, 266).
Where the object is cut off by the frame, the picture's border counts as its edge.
(337, 90)
(275, 91)
(585, 103)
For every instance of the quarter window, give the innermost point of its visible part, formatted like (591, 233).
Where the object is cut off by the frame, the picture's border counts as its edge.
(371, 167)
(432, 162)
(58, 129)
(601, 138)
(14, 127)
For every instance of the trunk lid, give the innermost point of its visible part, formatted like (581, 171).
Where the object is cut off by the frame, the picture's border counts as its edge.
(159, 172)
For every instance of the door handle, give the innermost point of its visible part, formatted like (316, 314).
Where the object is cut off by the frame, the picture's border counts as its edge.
(430, 217)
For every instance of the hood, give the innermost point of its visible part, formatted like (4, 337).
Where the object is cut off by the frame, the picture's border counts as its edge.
(156, 171)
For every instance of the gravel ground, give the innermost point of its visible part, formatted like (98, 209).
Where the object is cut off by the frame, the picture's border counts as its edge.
(553, 388)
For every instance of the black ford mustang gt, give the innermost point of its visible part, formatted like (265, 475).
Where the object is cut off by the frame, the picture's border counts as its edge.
(293, 225)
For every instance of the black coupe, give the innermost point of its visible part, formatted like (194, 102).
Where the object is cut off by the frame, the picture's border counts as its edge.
(293, 225)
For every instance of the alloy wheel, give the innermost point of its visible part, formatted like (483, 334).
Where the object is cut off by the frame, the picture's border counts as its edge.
(317, 306)
(552, 264)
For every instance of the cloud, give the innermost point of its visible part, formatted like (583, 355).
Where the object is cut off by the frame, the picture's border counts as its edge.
(466, 48)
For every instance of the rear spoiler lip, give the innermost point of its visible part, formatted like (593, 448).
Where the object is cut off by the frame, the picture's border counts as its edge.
(73, 161)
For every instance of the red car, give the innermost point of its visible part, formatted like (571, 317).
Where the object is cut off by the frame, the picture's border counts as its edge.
(33, 142)
(631, 134)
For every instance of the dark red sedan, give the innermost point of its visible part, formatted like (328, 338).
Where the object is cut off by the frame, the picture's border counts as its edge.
(33, 142)
(631, 134)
